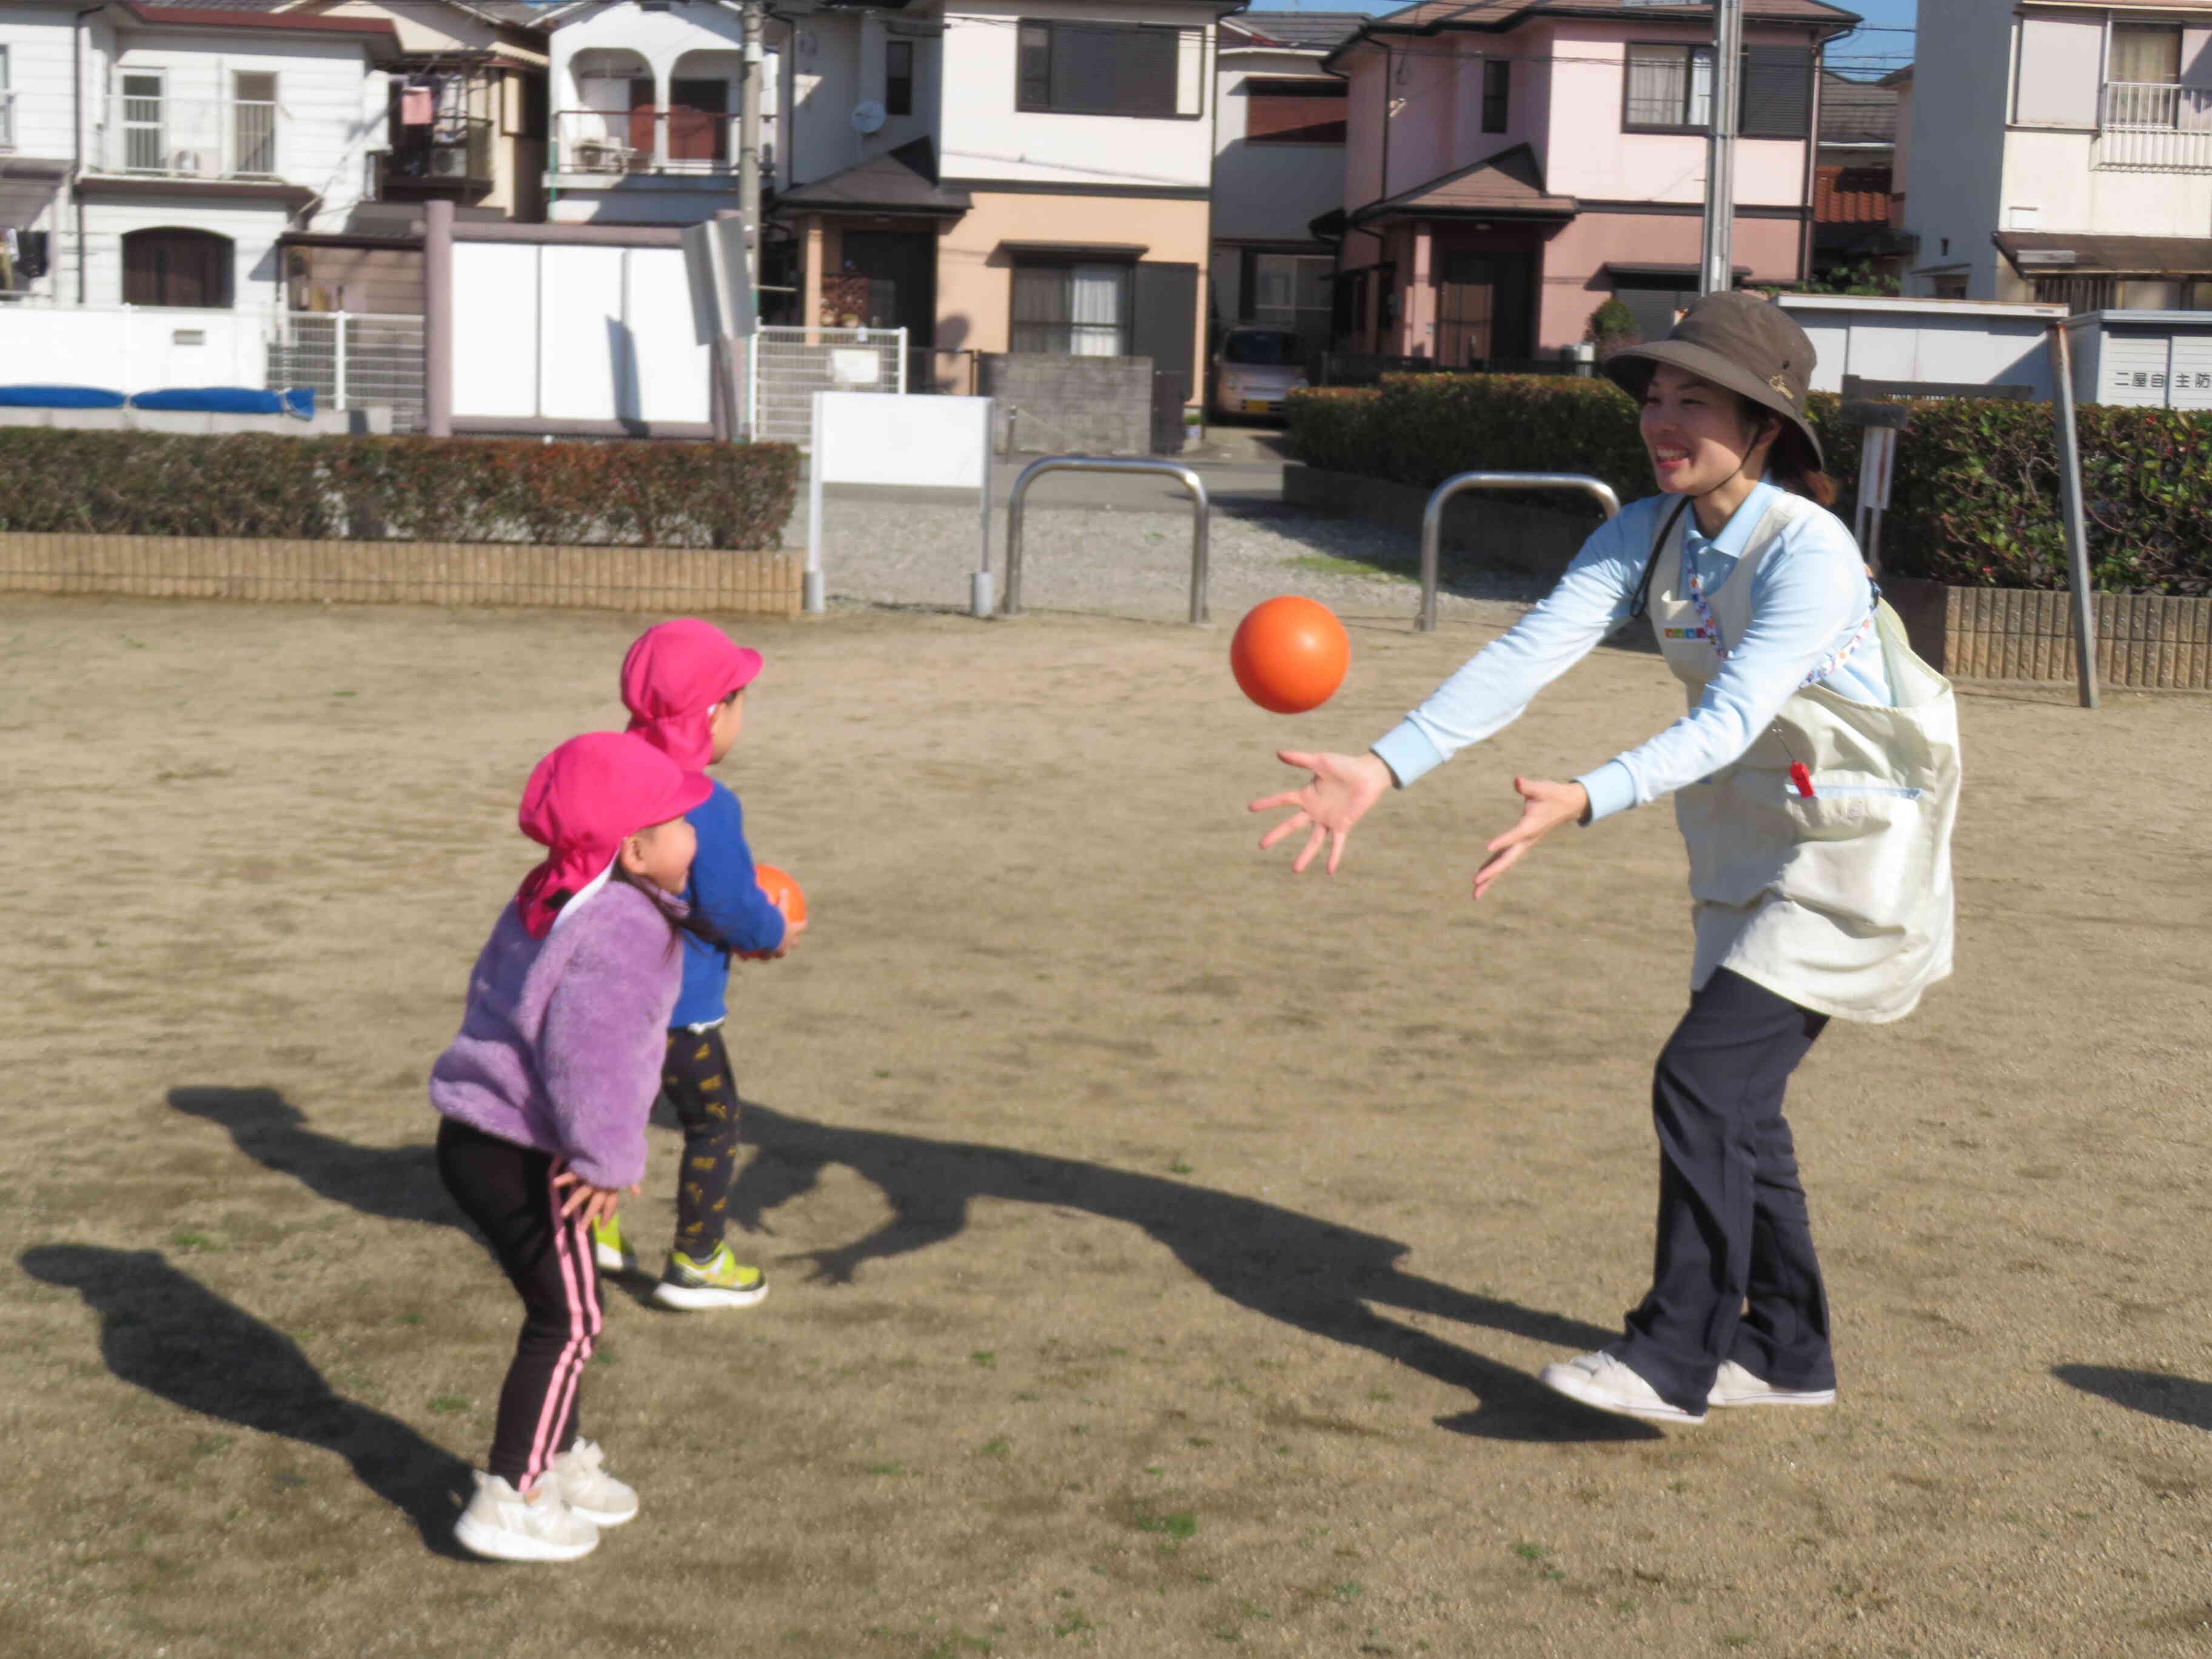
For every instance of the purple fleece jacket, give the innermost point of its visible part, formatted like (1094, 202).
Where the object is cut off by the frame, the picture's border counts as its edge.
(562, 1045)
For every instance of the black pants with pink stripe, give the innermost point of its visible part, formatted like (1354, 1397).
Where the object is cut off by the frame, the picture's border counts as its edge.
(507, 1191)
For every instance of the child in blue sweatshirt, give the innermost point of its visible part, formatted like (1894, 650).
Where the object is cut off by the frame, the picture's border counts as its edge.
(684, 685)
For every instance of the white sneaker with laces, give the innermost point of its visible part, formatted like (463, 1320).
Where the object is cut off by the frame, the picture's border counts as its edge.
(1604, 1381)
(586, 1487)
(505, 1525)
(1735, 1386)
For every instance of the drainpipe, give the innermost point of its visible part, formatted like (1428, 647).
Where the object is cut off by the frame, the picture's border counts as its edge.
(1805, 224)
(76, 109)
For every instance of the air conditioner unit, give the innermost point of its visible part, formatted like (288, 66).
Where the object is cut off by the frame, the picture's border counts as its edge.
(449, 161)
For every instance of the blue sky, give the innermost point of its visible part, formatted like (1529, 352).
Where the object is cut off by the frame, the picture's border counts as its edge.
(1886, 42)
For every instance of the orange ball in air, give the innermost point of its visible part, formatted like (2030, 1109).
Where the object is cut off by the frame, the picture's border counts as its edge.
(782, 890)
(1289, 654)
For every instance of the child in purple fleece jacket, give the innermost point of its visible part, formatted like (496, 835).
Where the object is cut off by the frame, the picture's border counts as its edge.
(544, 1095)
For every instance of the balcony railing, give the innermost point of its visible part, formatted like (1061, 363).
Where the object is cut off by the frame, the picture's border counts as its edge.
(2152, 126)
(177, 139)
(671, 141)
(452, 150)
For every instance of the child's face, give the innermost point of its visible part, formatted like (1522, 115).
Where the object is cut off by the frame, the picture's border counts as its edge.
(729, 721)
(662, 854)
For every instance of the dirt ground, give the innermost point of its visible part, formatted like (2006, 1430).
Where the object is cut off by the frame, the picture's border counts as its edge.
(1162, 1247)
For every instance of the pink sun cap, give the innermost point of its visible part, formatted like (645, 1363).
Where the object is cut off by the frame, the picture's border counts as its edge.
(582, 800)
(674, 674)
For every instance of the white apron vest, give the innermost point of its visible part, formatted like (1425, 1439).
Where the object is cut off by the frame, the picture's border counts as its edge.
(1841, 901)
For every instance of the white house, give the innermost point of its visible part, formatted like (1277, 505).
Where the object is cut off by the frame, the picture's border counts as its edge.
(1278, 166)
(2066, 154)
(645, 109)
(196, 135)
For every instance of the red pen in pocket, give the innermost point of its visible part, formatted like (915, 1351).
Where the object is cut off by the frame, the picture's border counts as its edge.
(1801, 780)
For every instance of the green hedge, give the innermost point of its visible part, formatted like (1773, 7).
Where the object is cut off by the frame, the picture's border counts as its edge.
(438, 489)
(1974, 501)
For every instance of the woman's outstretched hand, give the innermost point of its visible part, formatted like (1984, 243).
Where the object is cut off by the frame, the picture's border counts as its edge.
(1544, 806)
(1342, 788)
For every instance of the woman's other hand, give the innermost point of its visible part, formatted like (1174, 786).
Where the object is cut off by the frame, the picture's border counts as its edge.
(1342, 789)
(1544, 806)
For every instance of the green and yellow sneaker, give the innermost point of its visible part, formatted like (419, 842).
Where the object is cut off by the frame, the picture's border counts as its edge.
(720, 1281)
(611, 1250)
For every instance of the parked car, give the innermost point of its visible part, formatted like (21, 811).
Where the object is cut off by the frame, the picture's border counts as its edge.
(1253, 367)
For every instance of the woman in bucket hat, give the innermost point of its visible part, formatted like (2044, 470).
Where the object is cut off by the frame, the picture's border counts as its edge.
(1815, 780)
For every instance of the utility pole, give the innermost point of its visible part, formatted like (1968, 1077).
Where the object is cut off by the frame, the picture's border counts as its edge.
(1716, 262)
(749, 199)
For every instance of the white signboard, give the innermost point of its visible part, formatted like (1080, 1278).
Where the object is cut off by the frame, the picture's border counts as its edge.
(917, 440)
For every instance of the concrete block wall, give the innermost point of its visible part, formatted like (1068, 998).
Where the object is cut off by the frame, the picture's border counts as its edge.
(1070, 405)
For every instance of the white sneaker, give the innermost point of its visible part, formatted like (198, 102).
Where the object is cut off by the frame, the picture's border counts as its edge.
(1735, 1386)
(1600, 1380)
(504, 1525)
(587, 1489)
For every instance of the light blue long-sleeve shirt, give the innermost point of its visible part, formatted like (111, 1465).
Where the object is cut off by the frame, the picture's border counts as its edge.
(1808, 598)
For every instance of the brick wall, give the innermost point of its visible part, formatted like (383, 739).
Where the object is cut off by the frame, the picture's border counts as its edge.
(405, 573)
(1070, 405)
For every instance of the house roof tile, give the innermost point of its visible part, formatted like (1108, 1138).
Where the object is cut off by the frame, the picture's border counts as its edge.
(1429, 16)
(1300, 31)
(1857, 111)
(902, 180)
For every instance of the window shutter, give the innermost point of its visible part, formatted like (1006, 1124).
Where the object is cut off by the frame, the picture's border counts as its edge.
(2058, 75)
(1035, 70)
(1777, 93)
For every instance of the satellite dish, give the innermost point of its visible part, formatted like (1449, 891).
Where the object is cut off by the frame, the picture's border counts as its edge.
(867, 116)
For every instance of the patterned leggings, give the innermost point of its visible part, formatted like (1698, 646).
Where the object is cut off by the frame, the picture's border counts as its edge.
(696, 1076)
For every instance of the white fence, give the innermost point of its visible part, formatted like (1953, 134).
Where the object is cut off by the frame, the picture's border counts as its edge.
(789, 365)
(545, 331)
(131, 348)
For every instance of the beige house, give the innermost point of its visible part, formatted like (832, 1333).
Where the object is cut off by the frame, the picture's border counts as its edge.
(1032, 179)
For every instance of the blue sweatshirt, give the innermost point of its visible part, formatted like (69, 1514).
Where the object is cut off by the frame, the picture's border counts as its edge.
(723, 894)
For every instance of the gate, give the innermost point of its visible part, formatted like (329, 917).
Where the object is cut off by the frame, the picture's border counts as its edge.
(787, 365)
(352, 360)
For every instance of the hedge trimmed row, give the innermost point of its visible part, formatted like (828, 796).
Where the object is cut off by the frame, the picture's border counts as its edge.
(429, 490)
(1974, 501)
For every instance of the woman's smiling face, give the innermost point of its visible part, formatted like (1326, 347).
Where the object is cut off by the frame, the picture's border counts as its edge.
(1698, 435)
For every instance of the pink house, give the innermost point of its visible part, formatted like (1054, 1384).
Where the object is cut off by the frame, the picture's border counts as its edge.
(1510, 165)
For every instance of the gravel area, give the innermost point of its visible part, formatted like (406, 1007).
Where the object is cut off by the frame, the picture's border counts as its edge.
(1121, 562)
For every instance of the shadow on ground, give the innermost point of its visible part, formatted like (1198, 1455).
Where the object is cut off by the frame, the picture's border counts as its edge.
(1310, 1274)
(162, 1331)
(2181, 1400)
(1313, 1275)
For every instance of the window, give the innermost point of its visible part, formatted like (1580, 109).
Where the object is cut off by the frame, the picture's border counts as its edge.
(1670, 88)
(1108, 69)
(1497, 83)
(1294, 112)
(141, 123)
(698, 119)
(176, 267)
(1777, 93)
(2148, 54)
(2077, 294)
(1655, 300)
(1072, 310)
(253, 123)
(898, 77)
(1289, 290)
(1954, 288)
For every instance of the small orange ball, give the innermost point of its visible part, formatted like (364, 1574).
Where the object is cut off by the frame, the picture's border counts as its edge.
(1289, 654)
(782, 890)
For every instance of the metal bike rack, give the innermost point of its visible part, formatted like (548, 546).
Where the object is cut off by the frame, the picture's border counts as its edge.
(1201, 515)
(1432, 517)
